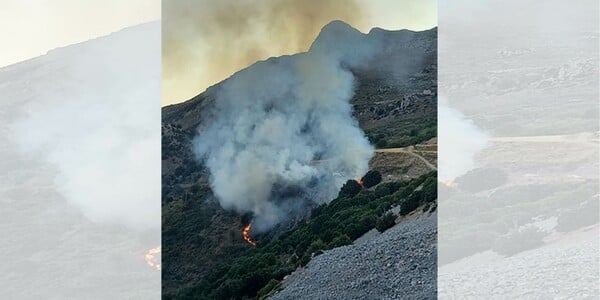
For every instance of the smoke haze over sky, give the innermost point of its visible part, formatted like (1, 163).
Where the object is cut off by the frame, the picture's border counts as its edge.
(206, 41)
(59, 23)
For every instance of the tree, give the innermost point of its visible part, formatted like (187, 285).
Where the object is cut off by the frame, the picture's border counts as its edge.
(372, 178)
(272, 284)
(350, 189)
(386, 221)
(409, 204)
(340, 240)
(381, 143)
(316, 246)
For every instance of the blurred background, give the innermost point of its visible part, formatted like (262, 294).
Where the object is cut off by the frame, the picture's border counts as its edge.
(80, 150)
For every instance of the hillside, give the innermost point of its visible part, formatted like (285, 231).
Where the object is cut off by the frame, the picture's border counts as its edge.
(395, 104)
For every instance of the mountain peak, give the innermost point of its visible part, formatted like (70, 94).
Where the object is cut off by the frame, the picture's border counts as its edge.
(340, 40)
(334, 34)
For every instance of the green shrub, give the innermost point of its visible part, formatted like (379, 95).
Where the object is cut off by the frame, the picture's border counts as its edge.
(271, 285)
(381, 144)
(350, 189)
(386, 221)
(409, 204)
(251, 272)
(304, 260)
(372, 178)
(433, 207)
(340, 240)
(316, 246)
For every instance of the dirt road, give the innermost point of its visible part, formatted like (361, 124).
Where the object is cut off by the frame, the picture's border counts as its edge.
(410, 150)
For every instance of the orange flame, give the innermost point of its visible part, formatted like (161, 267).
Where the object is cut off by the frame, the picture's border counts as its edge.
(246, 235)
(359, 181)
(151, 258)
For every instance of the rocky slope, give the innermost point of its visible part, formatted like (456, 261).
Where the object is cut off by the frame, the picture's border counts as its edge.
(400, 263)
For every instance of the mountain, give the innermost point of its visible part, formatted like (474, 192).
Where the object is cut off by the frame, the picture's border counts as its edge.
(394, 102)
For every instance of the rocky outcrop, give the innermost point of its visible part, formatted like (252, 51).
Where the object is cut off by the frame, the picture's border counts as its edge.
(400, 263)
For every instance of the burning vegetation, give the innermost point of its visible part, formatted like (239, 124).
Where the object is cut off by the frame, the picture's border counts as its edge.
(371, 179)
(246, 234)
(311, 98)
(346, 218)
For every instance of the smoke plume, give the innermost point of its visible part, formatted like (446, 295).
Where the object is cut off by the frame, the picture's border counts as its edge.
(237, 33)
(459, 141)
(281, 132)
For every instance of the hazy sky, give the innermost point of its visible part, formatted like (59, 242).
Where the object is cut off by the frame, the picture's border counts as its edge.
(196, 53)
(30, 28)
(400, 14)
(205, 41)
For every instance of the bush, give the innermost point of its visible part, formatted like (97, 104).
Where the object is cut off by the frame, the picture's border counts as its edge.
(426, 207)
(304, 260)
(367, 221)
(433, 207)
(386, 221)
(339, 241)
(381, 144)
(409, 204)
(372, 178)
(350, 189)
(249, 274)
(271, 285)
(316, 246)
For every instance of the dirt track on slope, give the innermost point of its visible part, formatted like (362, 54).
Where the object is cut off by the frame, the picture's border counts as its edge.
(410, 150)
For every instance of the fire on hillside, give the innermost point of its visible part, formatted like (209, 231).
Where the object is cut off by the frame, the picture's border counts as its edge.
(246, 234)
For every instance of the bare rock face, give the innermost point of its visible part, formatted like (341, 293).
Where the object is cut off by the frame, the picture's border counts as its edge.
(400, 263)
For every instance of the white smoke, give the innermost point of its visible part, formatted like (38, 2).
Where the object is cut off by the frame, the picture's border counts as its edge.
(281, 132)
(91, 112)
(459, 141)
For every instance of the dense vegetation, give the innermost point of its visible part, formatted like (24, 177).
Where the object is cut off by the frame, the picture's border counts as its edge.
(259, 270)
(385, 222)
(371, 179)
(403, 133)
